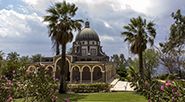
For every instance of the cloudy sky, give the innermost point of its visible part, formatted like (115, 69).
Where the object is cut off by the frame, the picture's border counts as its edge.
(22, 28)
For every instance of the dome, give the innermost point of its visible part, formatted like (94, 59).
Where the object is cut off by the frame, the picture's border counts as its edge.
(87, 34)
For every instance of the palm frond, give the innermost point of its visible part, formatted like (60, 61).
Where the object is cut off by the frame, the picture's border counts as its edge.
(52, 11)
(60, 22)
(151, 30)
(138, 33)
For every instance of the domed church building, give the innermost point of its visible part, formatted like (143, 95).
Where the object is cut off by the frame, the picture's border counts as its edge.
(87, 63)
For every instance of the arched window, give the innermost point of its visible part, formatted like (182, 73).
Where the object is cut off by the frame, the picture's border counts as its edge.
(93, 52)
(75, 75)
(84, 52)
(86, 75)
(97, 74)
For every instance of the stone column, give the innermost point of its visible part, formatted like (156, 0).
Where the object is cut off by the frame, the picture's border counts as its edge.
(80, 77)
(110, 74)
(106, 76)
(91, 76)
(71, 77)
(103, 76)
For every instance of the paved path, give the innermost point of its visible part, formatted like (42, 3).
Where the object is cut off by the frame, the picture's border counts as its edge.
(121, 86)
(113, 83)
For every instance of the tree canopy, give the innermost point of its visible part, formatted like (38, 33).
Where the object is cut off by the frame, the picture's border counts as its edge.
(139, 33)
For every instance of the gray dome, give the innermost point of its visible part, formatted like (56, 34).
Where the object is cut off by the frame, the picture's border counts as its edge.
(87, 34)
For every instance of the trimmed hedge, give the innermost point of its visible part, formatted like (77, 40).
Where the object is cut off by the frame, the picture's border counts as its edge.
(88, 88)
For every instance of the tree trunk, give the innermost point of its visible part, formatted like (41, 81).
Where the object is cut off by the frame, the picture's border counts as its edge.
(149, 74)
(141, 64)
(63, 84)
(179, 67)
(57, 49)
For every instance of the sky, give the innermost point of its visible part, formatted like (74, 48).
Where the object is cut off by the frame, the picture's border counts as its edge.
(22, 28)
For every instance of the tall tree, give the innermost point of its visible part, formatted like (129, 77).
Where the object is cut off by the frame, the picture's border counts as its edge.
(61, 27)
(1, 55)
(36, 58)
(1, 60)
(151, 61)
(24, 61)
(122, 58)
(12, 64)
(13, 56)
(174, 48)
(138, 33)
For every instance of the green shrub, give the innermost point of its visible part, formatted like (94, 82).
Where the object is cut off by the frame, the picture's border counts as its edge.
(170, 91)
(40, 85)
(6, 89)
(88, 88)
(167, 77)
(122, 72)
(163, 77)
(155, 91)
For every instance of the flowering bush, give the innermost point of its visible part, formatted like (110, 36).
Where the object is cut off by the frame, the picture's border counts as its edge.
(6, 89)
(33, 86)
(41, 85)
(170, 91)
(156, 91)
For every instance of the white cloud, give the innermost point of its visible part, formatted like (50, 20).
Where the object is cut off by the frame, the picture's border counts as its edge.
(31, 2)
(23, 33)
(16, 24)
(40, 6)
(106, 24)
(103, 14)
(106, 38)
(136, 5)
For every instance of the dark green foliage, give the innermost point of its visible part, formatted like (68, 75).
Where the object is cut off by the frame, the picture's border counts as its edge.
(173, 48)
(177, 33)
(139, 33)
(151, 61)
(16, 81)
(61, 26)
(118, 59)
(167, 77)
(88, 88)
(163, 77)
(120, 62)
(2, 63)
(169, 91)
(6, 88)
(122, 72)
(61, 23)
(11, 64)
(41, 86)
(36, 58)
(25, 61)
(157, 91)
(115, 58)
(1, 55)
(134, 79)
(36, 85)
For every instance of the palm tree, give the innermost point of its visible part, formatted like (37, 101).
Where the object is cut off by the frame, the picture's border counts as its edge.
(138, 33)
(1, 55)
(1, 58)
(61, 26)
(36, 58)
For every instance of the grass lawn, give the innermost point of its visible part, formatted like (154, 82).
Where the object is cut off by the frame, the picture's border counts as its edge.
(102, 97)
